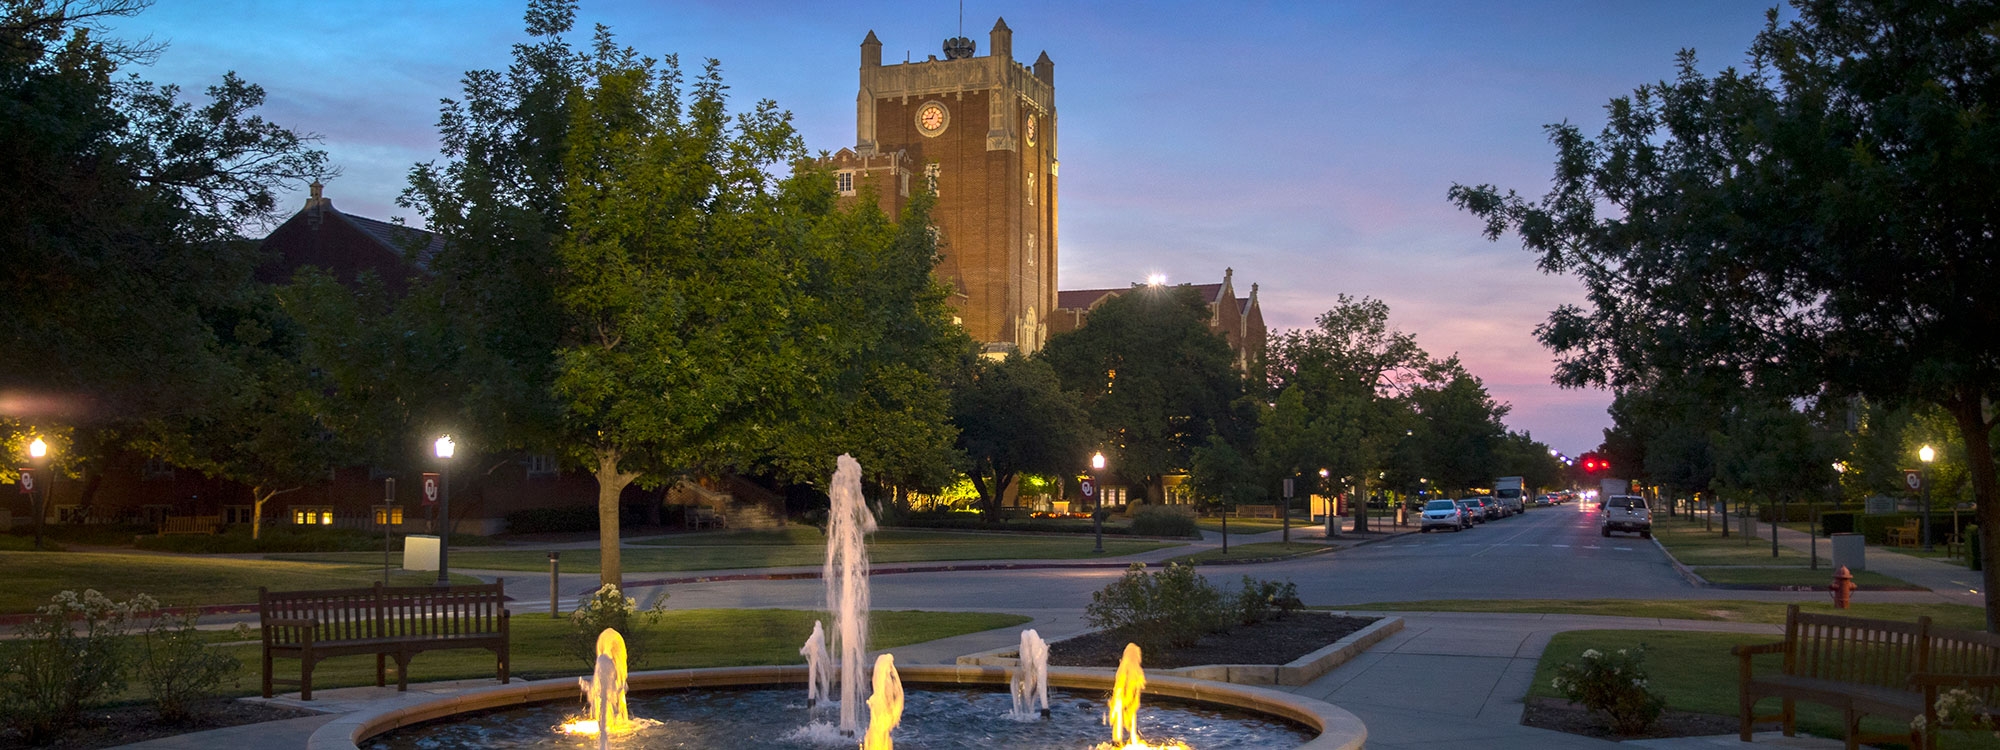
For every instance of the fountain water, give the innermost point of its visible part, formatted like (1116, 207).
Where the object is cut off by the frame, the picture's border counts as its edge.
(605, 688)
(1123, 714)
(1031, 681)
(819, 675)
(885, 707)
(846, 574)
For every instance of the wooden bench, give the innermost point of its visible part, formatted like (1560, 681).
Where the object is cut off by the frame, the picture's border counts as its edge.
(702, 517)
(190, 525)
(1256, 511)
(1905, 535)
(1867, 667)
(387, 621)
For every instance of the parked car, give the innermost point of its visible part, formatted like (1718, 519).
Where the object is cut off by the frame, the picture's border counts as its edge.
(1473, 509)
(1626, 513)
(1545, 499)
(1444, 514)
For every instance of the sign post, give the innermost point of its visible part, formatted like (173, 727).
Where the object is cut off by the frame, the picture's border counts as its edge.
(388, 514)
(1285, 512)
(1089, 487)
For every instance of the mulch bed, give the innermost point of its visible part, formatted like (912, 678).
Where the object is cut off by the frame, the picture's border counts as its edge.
(1270, 642)
(1564, 716)
(123, 725)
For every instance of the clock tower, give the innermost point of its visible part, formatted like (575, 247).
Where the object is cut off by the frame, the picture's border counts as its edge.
(981, 131)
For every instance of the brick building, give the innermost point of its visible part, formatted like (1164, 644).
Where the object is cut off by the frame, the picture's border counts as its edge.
(1239, 319)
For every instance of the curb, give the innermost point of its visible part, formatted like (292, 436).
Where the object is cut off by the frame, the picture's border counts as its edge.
(1694, 579)
(1279, 558)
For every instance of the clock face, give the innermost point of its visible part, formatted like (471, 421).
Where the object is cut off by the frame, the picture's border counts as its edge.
(931, 118)
(1031, 131)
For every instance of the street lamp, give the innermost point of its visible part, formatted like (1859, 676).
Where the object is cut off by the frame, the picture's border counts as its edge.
(1923, 480)
(444, 449)
(1097, 499)
(39, 498)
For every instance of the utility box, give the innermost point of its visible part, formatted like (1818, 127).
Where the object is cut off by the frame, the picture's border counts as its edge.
(1850, 550)
(420, 552)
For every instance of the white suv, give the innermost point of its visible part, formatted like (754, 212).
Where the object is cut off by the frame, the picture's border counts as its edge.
(1626, 513)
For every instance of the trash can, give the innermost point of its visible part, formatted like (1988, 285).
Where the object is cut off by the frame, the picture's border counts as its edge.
(1850, 550)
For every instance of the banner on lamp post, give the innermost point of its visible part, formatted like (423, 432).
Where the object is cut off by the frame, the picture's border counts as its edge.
(27, 480)
(430, 488)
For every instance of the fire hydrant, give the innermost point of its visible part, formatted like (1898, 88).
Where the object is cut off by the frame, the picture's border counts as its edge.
(1843, 587)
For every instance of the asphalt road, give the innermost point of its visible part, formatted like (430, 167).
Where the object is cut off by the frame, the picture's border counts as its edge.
(1547, 553)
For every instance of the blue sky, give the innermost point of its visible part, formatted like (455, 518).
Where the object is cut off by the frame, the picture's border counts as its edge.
(1308, 145)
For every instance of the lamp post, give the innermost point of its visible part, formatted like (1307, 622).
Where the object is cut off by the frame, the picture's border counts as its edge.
(1097, 500)
(1812, 527)
(445, 448)
(38, 497)
(1927, 455)
(1332, 521)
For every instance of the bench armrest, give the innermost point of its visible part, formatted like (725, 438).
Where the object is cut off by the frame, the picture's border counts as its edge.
(1745, 652)
(1923, 680)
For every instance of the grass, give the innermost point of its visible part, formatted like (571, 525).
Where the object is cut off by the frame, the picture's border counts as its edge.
(1693, 546)
(683, 639)
(1249, 525)
(33, 577)
(1757, 576)
(1257, 551)
(1726, 610)
(787, 548)
(1695, 672)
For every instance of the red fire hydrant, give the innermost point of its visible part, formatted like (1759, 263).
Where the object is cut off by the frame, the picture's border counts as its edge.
(1843, 587)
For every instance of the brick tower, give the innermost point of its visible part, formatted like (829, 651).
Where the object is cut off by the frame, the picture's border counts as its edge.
(982, 131)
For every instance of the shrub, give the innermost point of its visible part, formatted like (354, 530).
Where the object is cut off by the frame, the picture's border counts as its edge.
(552, 520)
(1837, 521)
(1260, 600)
(1160, 521)
(179, 671)
(71, 653)
(1959, 710)
(1613, 685)
(611, 608)
(1172, 608)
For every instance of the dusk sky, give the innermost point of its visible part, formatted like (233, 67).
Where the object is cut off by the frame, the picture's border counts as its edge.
(1308, 145)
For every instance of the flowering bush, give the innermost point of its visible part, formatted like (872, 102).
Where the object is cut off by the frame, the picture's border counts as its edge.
(71, 654)
(1960, 710)
(178, 669)
(611, 608)
(1614, 685)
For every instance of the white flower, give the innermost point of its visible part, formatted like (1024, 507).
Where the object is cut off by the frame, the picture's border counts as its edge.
(1591, 653)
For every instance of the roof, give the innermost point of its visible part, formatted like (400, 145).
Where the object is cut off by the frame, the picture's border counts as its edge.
(1083, 299)
(396, 237)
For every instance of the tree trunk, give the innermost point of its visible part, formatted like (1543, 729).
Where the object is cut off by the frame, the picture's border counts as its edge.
(1976, 430)
(610, 485)
(1361, 505)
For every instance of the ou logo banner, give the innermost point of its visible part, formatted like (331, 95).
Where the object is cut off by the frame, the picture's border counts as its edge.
(430, 488)
(1089, 488)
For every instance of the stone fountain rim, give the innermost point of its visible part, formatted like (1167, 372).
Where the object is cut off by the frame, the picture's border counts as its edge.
(1338, 729)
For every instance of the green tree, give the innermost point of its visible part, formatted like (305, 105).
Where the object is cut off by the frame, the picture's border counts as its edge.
(1458, 429)
(121, 202)
(1156, 381)
(1355, 375)
(1013, 416)
(1819, 223)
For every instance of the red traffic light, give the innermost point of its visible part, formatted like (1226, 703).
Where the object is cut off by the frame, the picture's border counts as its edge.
(1592, 463)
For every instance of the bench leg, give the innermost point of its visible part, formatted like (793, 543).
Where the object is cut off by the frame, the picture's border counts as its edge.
(502, 659)
(267, 672)
(402, 671)
(1789, 716)
(1746, 711)
(381, 671)
(306, 676)
(1852, 721)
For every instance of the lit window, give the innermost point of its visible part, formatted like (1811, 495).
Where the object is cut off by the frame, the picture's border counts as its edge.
(388, 515)
(312, 515)
(1031, 188)
(844, 182)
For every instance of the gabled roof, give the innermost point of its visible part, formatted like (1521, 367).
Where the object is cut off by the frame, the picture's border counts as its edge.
(1082, 299)
(346, 246)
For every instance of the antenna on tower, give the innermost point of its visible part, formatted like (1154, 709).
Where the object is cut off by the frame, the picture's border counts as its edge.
(961, 17)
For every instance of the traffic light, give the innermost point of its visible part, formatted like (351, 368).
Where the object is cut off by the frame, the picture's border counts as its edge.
(1593, 463)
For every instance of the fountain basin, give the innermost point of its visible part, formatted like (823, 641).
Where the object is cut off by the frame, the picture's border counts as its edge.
(1337, 729)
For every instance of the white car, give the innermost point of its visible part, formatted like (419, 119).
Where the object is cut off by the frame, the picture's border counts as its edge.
(1443, 514)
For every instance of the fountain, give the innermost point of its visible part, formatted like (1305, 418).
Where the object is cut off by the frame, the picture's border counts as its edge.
(605, 689)
(1031, 680)
(819, 677)
(846, 574)
(960, 706)
(885, 707)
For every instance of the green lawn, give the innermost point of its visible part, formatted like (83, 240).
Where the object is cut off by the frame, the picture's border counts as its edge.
(785, 548)
(1695, 672)
(1822, 578)
(683, 639)
(33, 577)
(1260, 550)
(1693, 546)
(1728, 610)
(1249, 525)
